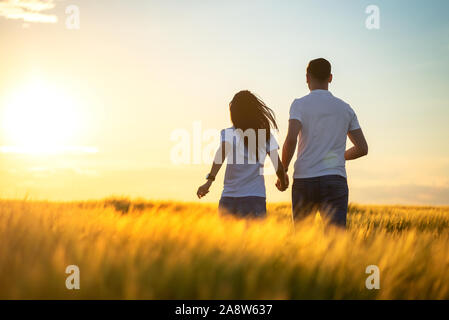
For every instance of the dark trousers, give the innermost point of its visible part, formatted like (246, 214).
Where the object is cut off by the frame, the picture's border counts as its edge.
(328, 194)
(243, 207)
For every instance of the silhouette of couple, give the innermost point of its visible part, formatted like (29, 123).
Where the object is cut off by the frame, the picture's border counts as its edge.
(319, 124)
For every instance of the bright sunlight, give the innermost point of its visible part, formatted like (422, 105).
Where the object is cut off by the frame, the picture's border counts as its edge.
(40, 118)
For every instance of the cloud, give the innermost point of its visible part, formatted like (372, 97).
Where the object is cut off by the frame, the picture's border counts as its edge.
(28, 10)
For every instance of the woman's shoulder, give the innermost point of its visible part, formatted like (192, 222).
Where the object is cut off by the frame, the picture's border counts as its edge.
(227, 134)
(230, 129)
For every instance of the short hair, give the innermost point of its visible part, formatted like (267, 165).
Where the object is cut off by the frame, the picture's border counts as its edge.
(320, 69)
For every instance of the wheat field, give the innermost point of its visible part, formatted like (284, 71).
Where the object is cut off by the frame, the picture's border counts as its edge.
(166, 250)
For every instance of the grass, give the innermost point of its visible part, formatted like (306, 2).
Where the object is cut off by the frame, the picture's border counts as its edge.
(159, 250)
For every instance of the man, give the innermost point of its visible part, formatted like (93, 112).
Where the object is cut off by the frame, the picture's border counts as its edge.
(321, 122)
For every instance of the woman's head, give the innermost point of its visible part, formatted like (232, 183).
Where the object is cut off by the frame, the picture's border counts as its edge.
(249, 112)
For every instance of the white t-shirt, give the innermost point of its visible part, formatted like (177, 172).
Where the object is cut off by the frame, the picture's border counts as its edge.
(244, 174)
(325, 121)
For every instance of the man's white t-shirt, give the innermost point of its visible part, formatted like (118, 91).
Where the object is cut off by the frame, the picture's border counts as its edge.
(244, 175)
(326, 121)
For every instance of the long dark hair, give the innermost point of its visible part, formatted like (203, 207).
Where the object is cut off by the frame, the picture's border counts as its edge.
(250, 112)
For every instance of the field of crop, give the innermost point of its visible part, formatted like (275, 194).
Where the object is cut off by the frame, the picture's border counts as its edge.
(161, 250)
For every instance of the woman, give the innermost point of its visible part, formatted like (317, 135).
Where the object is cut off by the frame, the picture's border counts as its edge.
(245, 146)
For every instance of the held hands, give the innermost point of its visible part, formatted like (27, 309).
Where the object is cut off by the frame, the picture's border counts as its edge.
(282, 185)
(204, 189)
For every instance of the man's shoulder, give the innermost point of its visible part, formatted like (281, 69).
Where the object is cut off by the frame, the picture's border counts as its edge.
(341, 102)
(302, 99)
(298, 102)
(310, 99)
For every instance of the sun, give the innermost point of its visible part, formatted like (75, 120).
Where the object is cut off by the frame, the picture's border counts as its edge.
(40, 118)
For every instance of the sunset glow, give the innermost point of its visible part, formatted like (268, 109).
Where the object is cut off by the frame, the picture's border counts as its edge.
(40, 118)
(117, 90)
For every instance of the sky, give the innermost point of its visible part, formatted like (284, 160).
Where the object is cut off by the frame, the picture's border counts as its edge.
(100, 107)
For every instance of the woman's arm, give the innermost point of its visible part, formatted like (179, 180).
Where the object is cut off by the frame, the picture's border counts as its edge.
(220, 157)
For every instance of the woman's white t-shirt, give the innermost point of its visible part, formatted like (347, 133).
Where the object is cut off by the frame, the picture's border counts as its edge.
(244, 174)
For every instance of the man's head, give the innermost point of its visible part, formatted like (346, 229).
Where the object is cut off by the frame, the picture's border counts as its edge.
(319, 74)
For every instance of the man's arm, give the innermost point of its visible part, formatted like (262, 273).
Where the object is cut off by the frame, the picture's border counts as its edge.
(288, 150)
(282, 182)
(360, 147)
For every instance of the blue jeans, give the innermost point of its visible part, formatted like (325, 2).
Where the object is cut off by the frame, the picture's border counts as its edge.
(328, 194)
(243, 207)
